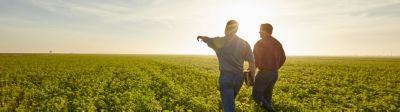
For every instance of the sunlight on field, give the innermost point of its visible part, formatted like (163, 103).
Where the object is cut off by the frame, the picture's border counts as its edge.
(40, 82)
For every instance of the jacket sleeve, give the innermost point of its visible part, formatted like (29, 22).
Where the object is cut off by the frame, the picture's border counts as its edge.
(215, 43)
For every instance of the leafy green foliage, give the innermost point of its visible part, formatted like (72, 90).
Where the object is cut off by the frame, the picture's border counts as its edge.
(39, 82)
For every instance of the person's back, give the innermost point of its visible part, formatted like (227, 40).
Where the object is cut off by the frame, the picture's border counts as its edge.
(230, 52)
(270, 54)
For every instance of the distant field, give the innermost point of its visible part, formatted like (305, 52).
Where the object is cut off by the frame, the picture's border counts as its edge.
(61, 82)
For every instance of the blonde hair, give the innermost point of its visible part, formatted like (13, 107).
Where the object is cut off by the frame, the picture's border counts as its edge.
(232, 26)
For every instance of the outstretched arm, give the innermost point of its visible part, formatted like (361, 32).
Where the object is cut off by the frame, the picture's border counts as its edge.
(214, 43)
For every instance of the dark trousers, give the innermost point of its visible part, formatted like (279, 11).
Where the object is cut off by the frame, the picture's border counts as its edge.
(263, 87)
(229, 85)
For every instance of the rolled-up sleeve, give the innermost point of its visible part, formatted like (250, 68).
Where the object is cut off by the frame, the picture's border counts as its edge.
(210, 42)
(215, 43)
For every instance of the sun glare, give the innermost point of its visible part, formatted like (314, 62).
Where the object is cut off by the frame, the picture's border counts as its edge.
(249, 15)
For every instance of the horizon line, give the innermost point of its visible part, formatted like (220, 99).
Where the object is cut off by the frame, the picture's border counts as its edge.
(307, 55)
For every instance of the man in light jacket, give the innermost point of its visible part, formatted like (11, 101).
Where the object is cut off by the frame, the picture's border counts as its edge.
(231, 51)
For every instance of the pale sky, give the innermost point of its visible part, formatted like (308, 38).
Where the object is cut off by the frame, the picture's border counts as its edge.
(304, 27)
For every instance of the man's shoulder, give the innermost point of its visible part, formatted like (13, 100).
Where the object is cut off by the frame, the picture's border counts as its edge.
(260, 42)
(270, 40)
(276, 41)
(241, 40)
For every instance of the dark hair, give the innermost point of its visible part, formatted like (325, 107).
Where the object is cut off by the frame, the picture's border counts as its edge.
(232, 26)
(267, 27)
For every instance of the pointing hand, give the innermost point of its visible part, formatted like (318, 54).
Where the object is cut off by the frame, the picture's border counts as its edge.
(203, 38)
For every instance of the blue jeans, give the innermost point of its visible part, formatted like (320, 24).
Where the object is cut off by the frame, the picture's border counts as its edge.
(229, 86)
(263, 87)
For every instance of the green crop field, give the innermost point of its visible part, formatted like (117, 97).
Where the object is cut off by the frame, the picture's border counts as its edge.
(72, 82)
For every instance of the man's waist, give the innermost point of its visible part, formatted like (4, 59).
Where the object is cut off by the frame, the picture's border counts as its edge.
(231, 68)
(268, 69)
(232, 71)
(268, 66)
